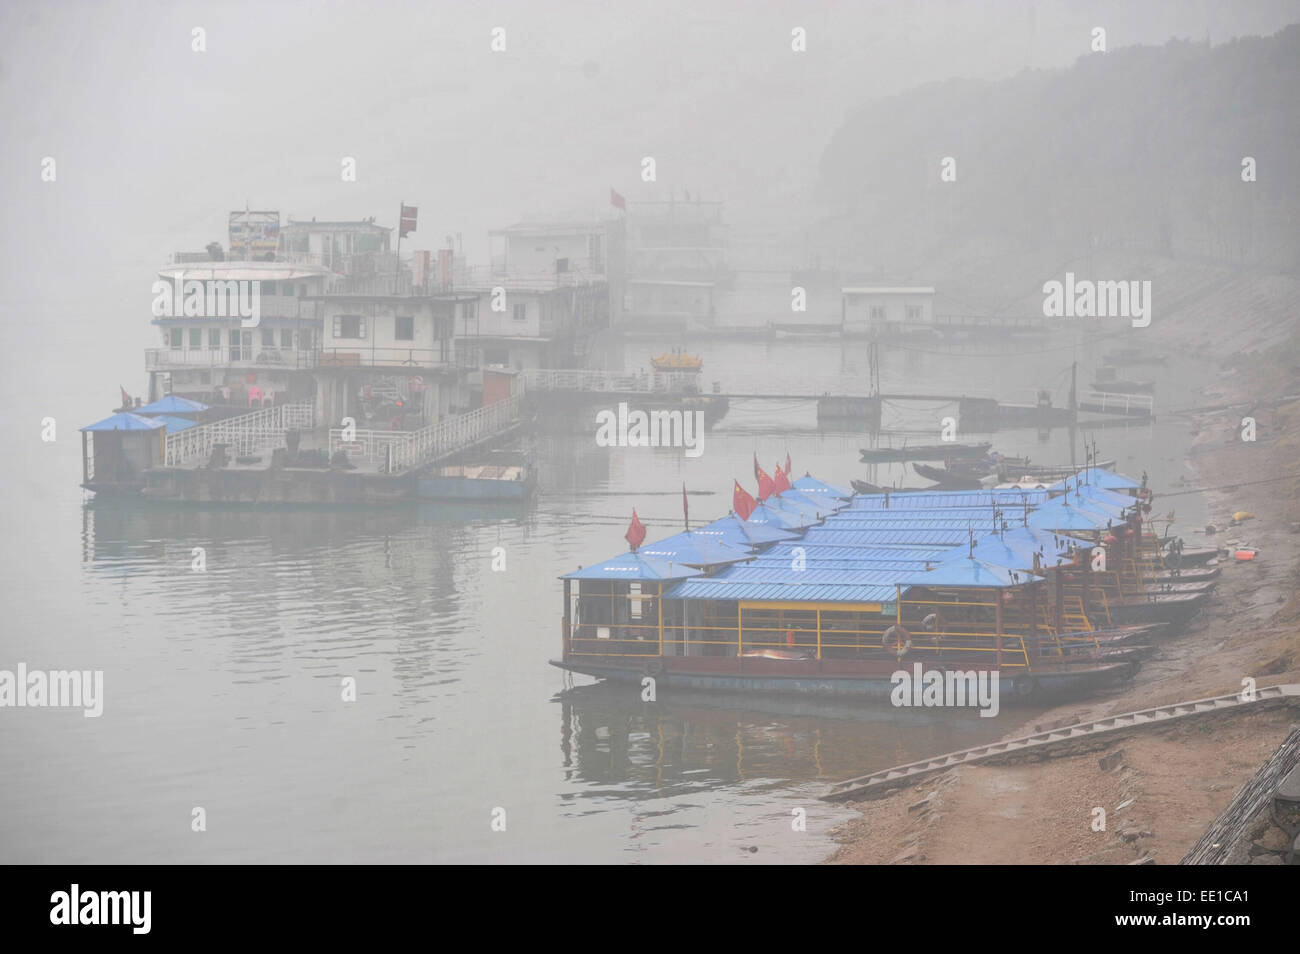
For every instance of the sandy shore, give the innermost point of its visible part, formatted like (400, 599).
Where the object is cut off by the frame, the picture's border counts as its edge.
(1177, 780)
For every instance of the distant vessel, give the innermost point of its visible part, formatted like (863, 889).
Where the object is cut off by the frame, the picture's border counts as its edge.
(677, 360)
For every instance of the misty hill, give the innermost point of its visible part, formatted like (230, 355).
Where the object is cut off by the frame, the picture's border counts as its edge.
(1134, 154)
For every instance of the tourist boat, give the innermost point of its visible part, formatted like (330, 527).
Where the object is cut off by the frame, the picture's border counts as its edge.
(882, 583)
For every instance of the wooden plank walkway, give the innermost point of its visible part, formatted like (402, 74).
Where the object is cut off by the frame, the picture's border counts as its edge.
(1101, 731)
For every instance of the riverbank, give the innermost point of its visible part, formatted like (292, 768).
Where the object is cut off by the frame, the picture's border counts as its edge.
(1171, 782)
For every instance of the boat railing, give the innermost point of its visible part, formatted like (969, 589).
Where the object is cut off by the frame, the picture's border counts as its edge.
(243, 434)
(398, 451)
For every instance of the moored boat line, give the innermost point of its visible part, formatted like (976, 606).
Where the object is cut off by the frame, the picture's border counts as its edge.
(1057, 590)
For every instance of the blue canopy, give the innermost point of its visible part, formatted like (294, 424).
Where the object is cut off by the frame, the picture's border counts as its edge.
(735, 531)
(821, 503)
(968, 571)
(787, 519)
(1058, 515)
(1097, 477)
(172, 404)
(175, 424)
(125, 421)
(631, 567)
(694, 549)
(813, 485)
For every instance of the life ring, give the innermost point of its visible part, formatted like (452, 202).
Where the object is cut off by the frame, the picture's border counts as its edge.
(897, 638)
(1024, 687)
(932, 622)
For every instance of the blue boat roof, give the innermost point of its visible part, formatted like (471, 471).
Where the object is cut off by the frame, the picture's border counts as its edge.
(717, 589)
(125, 421)
(969, 571)
(1054, 516)
(172, 404)
(893, 537)
(737, 531)
(1097, 477)
(632, 566)
(781, 517)
(174, 424)
(823, 504)
(919, 500)
(694, 549)
(853, 556)
(808, 483)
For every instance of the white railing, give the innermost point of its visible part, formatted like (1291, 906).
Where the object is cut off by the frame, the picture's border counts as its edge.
(402, 450)
(1110, 402)
(243, 434)
(157, 359)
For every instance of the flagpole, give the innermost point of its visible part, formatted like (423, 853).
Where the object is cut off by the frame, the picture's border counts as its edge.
(397, 271)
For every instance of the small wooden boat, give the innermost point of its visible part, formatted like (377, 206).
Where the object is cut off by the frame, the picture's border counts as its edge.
(923, 452)
(946, 479)
(501, 475)
(1190, 575)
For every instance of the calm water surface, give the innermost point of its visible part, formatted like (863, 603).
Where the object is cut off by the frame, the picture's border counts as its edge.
(223, 688)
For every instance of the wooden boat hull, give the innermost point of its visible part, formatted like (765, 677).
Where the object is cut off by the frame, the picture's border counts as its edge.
(1159, 608)
(923, 452)
(872, 682)
(1195, 575)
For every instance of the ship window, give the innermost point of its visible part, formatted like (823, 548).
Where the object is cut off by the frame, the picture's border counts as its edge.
(176, 338)
(349, 326)
(877, 312)
(268, 338)
(196, 338)
(521, 313)
(913, 312)
(286, 288)
(214, 338)
(404, 328)
(286, 338)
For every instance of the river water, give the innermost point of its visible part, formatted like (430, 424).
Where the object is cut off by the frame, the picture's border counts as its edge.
(224, 688)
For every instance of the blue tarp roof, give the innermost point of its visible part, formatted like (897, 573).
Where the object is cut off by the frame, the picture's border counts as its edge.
(715, 589)
(972, 572)
(736, 531)
(694, 549)
(781, 517)
(816, 486)
(823, 504)
(1062, 516)
(1097, 477)
(854, 556)
(910, 537)
(174, 423)
(172, 404)
(916, 500)
(632, 566)
(124, 421)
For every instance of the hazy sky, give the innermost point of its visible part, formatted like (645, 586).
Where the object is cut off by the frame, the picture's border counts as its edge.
(154, 142)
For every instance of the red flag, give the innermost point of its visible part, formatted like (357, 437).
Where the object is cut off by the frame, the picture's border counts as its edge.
(742, 502)
(787, 463)
(407, 226)
(635, 532)
(686, 507)
(126, 398)
(779, 482)
(617, 201)
(765, 486)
